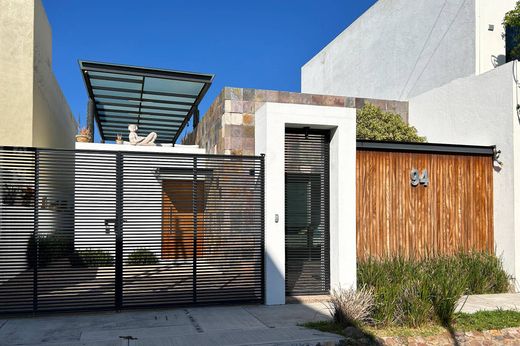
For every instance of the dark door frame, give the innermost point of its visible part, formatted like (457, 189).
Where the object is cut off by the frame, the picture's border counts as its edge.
(302, 166)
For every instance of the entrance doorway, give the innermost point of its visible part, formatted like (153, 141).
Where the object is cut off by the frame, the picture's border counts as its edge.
(307, 269)
(178, 231)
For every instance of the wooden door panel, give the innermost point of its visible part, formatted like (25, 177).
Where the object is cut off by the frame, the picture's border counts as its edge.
(178, 234)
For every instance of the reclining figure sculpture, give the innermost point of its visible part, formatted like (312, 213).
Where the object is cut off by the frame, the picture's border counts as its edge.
(135, 139)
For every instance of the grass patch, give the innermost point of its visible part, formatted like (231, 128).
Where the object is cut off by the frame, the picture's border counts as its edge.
(373, 332)
(479, 321)
(423, 331)
(336, 328)
(487, 320)
(325, 326)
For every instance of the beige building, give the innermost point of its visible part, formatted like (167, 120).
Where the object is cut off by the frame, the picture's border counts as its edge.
(34, 111)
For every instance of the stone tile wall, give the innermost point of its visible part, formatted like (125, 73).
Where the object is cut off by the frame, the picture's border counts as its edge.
(509, 336)
(228, 127)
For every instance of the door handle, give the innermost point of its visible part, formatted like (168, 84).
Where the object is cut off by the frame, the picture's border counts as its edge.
(107, 224)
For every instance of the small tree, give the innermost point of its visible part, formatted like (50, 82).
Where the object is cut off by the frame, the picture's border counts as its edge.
(374, 124)
(512, 26)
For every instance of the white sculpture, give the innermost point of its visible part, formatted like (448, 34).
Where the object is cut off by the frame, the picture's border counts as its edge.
(135, 139)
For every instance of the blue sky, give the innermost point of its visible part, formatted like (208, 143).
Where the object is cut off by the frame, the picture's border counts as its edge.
(250, 44)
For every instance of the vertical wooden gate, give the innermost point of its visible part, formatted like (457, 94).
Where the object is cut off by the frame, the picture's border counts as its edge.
(420, 200)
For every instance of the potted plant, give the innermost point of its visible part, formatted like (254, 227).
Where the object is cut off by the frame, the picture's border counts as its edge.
(119, 139)
(84, 135)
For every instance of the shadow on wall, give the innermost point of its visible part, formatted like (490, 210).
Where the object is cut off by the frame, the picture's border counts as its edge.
(498, 60)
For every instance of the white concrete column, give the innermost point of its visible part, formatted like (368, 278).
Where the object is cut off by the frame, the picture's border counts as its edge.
(516, 175)
(269, 131)
(343, 259)
(270, 123)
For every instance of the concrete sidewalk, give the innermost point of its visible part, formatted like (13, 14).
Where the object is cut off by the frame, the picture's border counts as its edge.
(504, 301)
(231, 325)
(222, 325)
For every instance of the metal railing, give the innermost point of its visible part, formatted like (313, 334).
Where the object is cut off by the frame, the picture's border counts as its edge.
(83, 230)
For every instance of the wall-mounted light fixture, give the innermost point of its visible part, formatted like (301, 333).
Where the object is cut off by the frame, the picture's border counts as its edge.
(306, 129)
(491, 27)
(496, 156)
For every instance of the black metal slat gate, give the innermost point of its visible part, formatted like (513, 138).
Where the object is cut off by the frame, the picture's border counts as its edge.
(307, 212)
(83, 230)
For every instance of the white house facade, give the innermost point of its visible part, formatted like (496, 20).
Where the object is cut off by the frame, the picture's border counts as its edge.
(271, 197)
(447, 59)
(401, 48)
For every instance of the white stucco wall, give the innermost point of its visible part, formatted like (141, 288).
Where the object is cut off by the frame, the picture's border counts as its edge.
(167, 149)
(270, 123)
(401, 48)
(516, 173)
(490, 45)
(95, 203)
(480, 110)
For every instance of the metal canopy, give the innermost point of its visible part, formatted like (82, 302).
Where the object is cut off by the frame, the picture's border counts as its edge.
(156, 100)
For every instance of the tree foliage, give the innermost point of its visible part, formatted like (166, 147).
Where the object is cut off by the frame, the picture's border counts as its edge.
(374, 124)
(512, 20)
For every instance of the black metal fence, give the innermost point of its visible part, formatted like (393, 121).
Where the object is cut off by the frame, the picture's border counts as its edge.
(104, 229)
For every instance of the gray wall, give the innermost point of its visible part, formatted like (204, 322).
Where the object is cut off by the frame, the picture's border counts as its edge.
(481, 110)
(396, 50)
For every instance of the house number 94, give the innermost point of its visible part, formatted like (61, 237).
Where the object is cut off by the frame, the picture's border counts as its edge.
(416, 178)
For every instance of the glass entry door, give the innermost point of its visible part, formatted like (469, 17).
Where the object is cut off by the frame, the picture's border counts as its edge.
(306, 212)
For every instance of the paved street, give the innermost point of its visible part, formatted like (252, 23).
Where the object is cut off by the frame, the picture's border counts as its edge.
(233, 325)
(219, 325)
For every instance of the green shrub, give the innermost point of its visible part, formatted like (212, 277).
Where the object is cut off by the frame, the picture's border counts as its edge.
(94, 258)
(414, 292)
(50, 247)
(392, 281)
(484, 272)
(447, 282)
(142, 257)
(413, 306)
(374, 124)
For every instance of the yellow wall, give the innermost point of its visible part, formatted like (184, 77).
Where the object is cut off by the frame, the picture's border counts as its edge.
(16, 82)
(34, 110)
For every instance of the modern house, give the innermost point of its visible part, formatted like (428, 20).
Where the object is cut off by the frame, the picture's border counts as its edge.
(271, 195)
